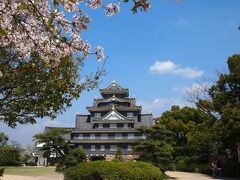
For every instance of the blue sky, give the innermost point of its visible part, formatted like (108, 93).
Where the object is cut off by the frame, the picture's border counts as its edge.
(158, 55)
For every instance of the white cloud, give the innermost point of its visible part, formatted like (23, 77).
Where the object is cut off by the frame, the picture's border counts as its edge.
(195, 87)
(159, 105)
(52, 123)
(169, 67)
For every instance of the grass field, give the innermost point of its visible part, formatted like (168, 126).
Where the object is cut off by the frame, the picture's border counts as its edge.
(29, 171)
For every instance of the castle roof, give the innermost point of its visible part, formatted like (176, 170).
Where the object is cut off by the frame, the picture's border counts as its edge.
(114, 88)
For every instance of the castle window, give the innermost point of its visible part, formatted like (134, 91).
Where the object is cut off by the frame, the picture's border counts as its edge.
(92, 136)
(76, 136)
(97, 115)
(130, 136)
(129, 114)
(100, 125)
(104, 136)
(113, 147)
(129, 147)
(92, 147)
(80, 136)
(113, 125)
(102, 148)
(125, 126)
(118, 136)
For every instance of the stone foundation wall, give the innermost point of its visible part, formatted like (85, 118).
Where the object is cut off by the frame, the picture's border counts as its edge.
(130, 157)
(125, 157)
(110, 157)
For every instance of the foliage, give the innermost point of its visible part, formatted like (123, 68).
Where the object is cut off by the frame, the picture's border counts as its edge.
(188, 125)
(3, 139)
(220, 134)
(202, 141)
(186, 163)
(223, 105)
(205, 169)
(113, 170)
(26, 155)
(118, 155)
(30, 89)
(44, 27)
(53, 29)
(176, 142)
(9, 156)
(2, 171)
(231, 168)
(75, 156)
(157, 148)
(54, 142)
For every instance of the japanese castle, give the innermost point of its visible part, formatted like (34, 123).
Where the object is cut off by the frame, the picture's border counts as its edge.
(112, 123)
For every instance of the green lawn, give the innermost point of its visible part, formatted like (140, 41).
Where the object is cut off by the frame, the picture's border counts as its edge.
(30, 171)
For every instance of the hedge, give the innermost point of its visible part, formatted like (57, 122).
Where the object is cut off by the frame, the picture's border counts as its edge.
(186, 164)
(107, 170)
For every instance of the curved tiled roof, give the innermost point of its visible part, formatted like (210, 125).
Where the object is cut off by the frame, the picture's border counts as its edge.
(111, 99)
(114, 88)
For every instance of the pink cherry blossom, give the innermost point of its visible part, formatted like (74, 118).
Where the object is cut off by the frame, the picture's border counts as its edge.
(99, 53)
(33, 26)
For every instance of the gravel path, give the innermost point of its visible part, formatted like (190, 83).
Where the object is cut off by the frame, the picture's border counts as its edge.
(187, 176)
(44, 177)
(191, 176)
(173, 174)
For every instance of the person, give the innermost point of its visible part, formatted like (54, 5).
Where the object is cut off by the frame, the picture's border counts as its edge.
(214, 168)
(219, 169)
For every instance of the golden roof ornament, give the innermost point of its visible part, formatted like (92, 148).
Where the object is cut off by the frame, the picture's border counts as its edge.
(113, 107)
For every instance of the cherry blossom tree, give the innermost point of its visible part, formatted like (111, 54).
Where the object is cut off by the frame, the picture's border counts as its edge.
(43, 27)
(42, 53)
(51, 28)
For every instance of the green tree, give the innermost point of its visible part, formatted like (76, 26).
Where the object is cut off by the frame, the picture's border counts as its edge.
(157, 147)
(118, 155)
(9, 156)
(202, 141)
(182, 122)
(223, 105)
(74, 157)
(31, 89)
(54, 142)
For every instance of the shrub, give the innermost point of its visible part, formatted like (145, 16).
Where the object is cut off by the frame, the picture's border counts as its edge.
(206, 169)
(1, 171)
(231, 168)
(9, 156)
(74, 157)
(185, 163)
(101, 170)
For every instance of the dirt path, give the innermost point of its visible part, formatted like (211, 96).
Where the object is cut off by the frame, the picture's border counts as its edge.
(43, 177)
(187, 176)
(191, 176)
(173, 174)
